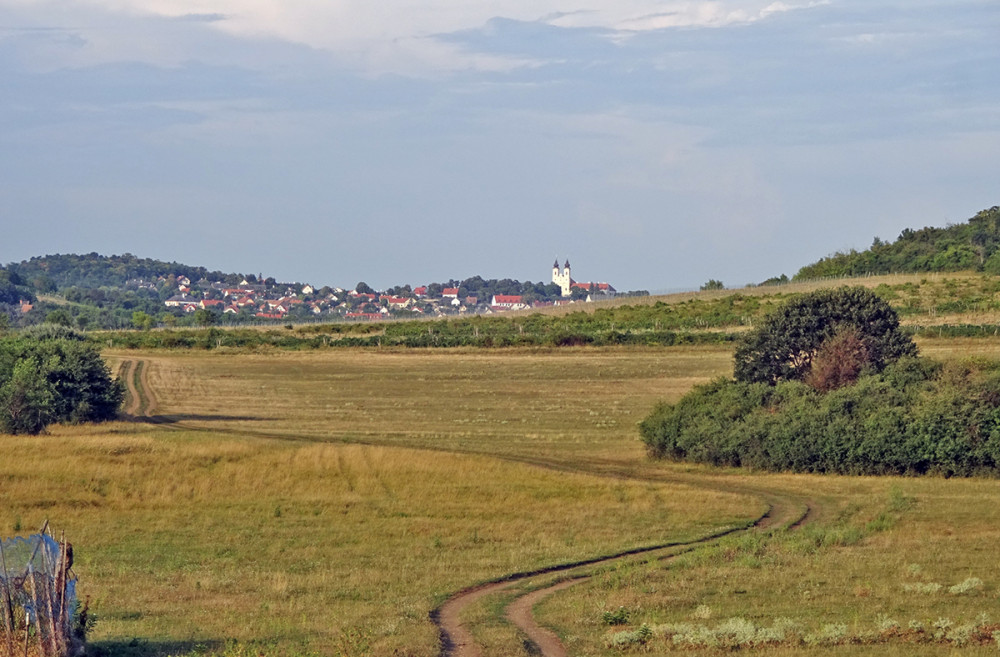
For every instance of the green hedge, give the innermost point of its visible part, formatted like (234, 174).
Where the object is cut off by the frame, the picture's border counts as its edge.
(914, 417)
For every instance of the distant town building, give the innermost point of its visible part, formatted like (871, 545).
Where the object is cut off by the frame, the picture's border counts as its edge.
(562, 278)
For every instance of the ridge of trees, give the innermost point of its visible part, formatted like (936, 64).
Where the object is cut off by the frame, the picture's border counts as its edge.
(973, 245)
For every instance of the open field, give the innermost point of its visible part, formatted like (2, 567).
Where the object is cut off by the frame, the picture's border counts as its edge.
(326, 502)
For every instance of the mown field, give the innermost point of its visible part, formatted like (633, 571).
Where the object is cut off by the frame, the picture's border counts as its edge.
(323, 502)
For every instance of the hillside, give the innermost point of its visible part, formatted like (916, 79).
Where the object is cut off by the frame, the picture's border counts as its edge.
(55, 273)
(973, 245)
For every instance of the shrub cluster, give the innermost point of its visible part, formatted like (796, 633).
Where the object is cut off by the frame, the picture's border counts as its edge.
(50, 374)
(915, 416)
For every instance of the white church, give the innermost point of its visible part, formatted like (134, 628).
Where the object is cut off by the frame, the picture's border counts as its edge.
(562, 278)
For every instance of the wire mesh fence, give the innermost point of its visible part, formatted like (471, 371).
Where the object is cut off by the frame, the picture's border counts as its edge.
(38, 603)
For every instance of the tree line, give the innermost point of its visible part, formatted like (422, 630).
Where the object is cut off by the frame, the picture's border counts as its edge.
(973, 245)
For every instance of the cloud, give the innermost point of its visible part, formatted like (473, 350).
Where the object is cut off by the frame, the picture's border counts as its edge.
(361, 33)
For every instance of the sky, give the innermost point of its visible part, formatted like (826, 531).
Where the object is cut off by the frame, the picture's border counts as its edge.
(654, 144)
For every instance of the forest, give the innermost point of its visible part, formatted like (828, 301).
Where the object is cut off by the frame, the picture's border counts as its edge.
(970, 246)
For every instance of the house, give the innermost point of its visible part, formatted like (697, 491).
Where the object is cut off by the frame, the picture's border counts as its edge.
(596, 288)
(507, 302)
(179, 301)
(450, 293)
(212, 303)
(420, 291)
(308, 289)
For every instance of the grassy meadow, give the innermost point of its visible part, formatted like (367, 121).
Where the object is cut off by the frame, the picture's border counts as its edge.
(254, 515)
(324, 502)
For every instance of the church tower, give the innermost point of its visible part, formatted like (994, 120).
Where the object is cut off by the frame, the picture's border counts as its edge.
(562, 278)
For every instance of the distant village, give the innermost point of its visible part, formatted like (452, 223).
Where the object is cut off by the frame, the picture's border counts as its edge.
(271, 300)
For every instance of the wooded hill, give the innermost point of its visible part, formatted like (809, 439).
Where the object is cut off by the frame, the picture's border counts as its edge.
(54, 273)
(974, 245)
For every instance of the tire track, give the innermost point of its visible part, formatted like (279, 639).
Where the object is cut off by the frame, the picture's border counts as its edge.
(521, 614)
(124, 375)
(456, 640)
(140, 402)
(127, 372)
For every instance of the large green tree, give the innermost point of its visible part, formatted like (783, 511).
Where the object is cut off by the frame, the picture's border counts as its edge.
(784, 346)
(52, 375)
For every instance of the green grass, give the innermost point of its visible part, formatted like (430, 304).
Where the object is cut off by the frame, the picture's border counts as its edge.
(325, 502)
(254, 519)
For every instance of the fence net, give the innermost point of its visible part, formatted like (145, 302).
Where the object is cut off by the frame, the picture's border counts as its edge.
(37, 597)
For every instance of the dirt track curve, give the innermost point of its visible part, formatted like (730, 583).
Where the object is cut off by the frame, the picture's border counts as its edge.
(456, 639)
(140, 402)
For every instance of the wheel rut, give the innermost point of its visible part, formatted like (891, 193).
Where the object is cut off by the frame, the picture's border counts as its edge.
(456, 639)
(140, 400)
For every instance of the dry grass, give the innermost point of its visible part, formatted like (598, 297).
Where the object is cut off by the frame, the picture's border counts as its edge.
(256, 522)
(259, 515)
(850, 570)
(496, 401)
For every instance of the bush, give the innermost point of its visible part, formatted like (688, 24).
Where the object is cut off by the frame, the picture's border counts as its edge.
(914, 417)
(53, 377)
(785, 344)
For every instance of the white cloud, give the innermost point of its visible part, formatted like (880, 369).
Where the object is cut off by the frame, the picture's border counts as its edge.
(365, 34)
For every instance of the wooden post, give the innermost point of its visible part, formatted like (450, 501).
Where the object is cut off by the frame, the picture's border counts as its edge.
(38, 621)
(61, 573)
(8, 606)
(46, 597)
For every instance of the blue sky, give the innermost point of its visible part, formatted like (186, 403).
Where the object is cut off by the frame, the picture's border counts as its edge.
(654, 144)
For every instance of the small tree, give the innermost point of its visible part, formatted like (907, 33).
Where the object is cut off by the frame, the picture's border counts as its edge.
(713, 284)
(142, 320)
(785, 344)
(205, 317)
(60, 317)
